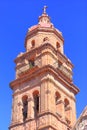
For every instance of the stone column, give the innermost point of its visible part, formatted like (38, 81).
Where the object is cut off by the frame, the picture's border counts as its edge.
(20, 115)
(15, 109)
(60, 108)
(49, 96)
(42, 97)
(47, 92)
(73, 112)
(30, 108)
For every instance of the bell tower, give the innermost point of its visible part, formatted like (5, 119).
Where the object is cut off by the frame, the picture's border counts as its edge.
(43, 91)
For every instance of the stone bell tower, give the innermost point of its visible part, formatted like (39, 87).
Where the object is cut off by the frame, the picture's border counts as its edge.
(43, 91)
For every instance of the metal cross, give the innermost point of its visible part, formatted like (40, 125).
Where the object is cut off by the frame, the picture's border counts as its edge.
(44, 9)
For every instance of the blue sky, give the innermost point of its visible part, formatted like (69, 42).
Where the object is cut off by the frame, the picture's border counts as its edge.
(16, 16)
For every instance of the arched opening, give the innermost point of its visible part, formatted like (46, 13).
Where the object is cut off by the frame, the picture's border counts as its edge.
(31, 63)
(36, 102)
(57, 97)
(66, 104)
(58, 46)
(58, 103)
(67, 110)
(32, 43)
(25, 107)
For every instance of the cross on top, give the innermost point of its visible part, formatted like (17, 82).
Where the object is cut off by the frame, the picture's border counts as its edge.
(44, 9)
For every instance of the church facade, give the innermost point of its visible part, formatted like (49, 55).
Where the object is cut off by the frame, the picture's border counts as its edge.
(43, 91)
(81, 123)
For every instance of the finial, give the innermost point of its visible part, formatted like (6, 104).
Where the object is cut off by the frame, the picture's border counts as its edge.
(44, 9)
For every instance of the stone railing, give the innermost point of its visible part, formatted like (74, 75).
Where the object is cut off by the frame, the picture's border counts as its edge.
(26, 67)
(61, 68)
(65, 71)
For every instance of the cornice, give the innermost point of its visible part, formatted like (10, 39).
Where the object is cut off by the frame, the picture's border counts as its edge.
(46, 69)
(42, 114)
(47, 79)
(42, 47)
(43, 29)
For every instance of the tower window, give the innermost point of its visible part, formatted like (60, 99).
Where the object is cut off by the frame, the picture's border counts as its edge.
(25, 107)
(31, 63)
(59, 64)
(66, 104)
(33, 43)
(36, 102)
(58, 103)
(57, 45)
(67, 111)
(57, 97)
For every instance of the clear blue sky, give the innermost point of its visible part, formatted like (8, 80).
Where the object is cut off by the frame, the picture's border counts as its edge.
(16, 16)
